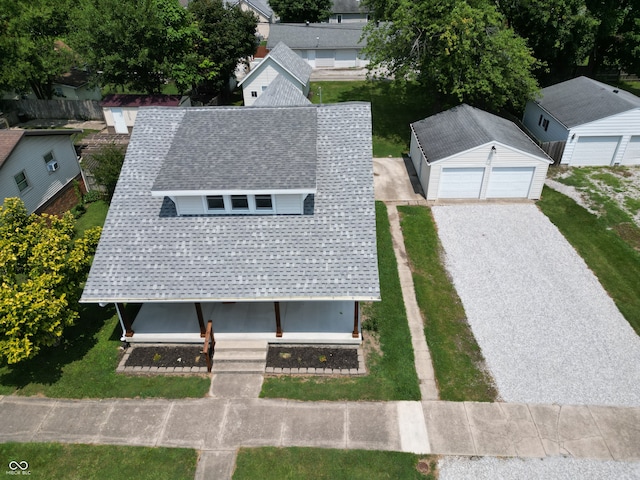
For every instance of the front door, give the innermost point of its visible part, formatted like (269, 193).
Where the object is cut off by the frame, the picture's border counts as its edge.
(118, 120)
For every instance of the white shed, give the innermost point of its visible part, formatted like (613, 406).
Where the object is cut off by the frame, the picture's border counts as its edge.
(467, 153)
(599, 124)
(281, 61)
(120, 110)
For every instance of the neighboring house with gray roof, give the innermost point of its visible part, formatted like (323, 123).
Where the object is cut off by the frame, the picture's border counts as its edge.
(599, 124)
(322, 45)
(261, 9)
(39, 166)
(272, 239)
(466, 152)
(281, 93)
(348, 11)
(281, 61)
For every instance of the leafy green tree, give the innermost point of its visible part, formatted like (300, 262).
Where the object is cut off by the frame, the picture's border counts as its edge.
(561, 33)
(617, 38)
(106, 165)
(139, 44)
(457, 50)
(227, 36)
(42, 270)
(31, 52)
(298, 11)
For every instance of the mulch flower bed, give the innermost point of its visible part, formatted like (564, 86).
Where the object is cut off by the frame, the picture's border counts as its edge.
(312, 357)
(178, 356)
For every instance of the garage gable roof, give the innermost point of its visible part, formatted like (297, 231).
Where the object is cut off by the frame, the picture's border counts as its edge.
(583, 100)
(287, 59)
(463, 128)
(321, 36)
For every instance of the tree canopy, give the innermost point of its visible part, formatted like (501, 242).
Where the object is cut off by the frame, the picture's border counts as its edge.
(42, 268)
(106, 165)
(31, 51)
(457, 49)
(300, 11)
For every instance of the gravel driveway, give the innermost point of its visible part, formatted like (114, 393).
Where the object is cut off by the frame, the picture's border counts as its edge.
(548, 330)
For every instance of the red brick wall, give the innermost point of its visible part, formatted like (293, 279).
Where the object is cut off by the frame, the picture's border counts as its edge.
(64, 200)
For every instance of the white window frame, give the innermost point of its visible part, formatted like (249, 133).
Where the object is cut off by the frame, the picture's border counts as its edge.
(25, 180)
(51, 162)
(228, 209)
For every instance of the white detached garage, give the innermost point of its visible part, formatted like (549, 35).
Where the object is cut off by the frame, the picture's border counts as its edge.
(467, 153)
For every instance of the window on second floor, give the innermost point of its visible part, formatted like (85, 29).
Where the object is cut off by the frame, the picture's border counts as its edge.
(21, 181)
(50, 161)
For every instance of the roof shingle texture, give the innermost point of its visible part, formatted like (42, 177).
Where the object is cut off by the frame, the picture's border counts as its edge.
(463, 128)
(582, 100)
(234, 149)
(292, 62)
(317, 35)
(8, 141)
(281, 93)
(329, 254)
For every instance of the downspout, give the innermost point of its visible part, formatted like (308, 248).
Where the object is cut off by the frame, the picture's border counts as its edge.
(123, 338)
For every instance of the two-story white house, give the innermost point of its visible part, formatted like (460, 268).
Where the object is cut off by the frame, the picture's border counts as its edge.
(599, 124)
(270, 240)
(349, 11)
(39, 166)
(281, 61)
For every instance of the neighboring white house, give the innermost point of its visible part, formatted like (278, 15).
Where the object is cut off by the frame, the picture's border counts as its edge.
(281, 61)
(469, 153)
(73, 85)
(261, 10)
(37, 166)
(271, 239)
(120, 110)
(348, 11)
(322, 45)
(599, 123)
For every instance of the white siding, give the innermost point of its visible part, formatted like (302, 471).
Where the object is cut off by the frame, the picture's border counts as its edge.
(289, 204)
(129, 114)
(555, 130)
(262, 77)
(623, 125)
(419, 162)
(189, 205)
(482, 157)
(632, 152)
(348, 18)
(43, 185)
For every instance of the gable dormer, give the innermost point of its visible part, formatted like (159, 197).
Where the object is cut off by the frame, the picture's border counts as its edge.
(240, 164)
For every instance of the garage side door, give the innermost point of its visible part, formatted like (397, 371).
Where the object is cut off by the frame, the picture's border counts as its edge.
(460, 182)
(510, 182)
(632, 153)
(595, 150)
(325, 58)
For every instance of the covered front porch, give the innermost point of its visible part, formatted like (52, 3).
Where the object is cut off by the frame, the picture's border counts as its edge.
(335, 322)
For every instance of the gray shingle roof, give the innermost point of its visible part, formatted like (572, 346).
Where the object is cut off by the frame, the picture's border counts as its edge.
(582, 100)
(262, 7)
(463, 128)
(146, 254)
(260, 150)
(281, 93)
(287, 59)
(317, 35)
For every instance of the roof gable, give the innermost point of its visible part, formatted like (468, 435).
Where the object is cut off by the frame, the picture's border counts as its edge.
(9, 139)
(281, 93)
(583, 100)
(287, 59)
(464, 128)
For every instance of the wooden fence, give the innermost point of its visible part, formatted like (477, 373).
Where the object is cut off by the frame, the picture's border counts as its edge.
(554, 150)
(53, 109)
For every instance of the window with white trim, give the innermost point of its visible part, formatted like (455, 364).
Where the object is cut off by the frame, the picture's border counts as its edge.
(264, 202)
(239, 202)
(254, 94)
(50, 161)
(21, 181)
(215, 203)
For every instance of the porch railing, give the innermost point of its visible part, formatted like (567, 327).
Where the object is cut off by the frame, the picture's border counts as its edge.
(209, 345)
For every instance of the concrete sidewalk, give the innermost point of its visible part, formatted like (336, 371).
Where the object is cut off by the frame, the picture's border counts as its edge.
(223, 425)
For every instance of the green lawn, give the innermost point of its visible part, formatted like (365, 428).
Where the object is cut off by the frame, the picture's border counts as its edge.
(614, 261)
(57, 461)
(95, 215)
(392, 374)
(456, 357)
(317, 463)
(393, 108)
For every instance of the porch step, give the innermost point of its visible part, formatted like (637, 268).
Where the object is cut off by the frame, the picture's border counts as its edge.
(238, 366)
(240, 356)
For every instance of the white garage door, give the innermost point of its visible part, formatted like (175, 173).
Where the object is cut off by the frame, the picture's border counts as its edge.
(510, 182)
(325, 58)
(595, 150)
(460, 182)
(632, 153)
(346, 58)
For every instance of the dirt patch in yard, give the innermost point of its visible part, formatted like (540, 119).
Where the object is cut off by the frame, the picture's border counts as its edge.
(312, 357)
(166, 356)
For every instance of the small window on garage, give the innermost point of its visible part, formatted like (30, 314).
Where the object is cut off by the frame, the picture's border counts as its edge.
(545, 124)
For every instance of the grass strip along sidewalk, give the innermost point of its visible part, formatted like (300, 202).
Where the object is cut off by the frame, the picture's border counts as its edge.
(55, 460)
(297, 463)
(457, 359)
(614, 261)
(392, 374)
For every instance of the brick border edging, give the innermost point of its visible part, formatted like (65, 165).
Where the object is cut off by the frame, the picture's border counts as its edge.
(361, 370)
(137, 370)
